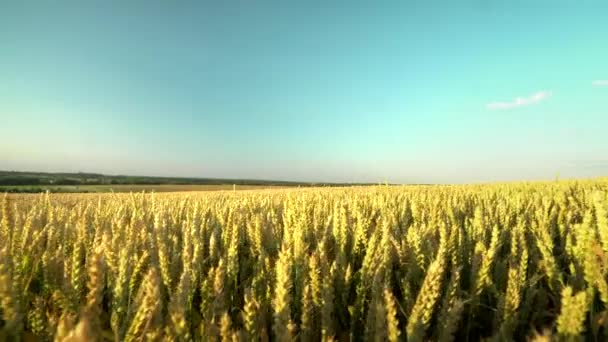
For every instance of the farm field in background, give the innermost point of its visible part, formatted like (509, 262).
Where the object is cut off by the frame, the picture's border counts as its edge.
(132, 188)
(415, 263)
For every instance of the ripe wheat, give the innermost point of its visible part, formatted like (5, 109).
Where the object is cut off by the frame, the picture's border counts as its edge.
(413, 263)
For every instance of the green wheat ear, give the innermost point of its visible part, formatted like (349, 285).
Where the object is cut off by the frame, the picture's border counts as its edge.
(426, 300)
(573, 313)
(392, 324)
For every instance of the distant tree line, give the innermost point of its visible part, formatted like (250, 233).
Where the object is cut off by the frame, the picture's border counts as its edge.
(41, 178)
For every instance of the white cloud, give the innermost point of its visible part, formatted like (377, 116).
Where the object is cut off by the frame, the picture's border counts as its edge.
(600, 83)
(520, 101)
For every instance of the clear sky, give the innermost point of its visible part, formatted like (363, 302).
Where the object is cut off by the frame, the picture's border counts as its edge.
(404, 91)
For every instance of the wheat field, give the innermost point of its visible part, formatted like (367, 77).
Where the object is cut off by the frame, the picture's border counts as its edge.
(399, 263)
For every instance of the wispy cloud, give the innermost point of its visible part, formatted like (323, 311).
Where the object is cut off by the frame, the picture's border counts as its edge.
(520, 101)
(600, 83)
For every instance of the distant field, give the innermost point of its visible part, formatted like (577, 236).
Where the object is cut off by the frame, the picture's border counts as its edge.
(132, 188)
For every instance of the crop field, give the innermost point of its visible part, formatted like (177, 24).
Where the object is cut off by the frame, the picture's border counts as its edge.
(131, 188)
(399, 263)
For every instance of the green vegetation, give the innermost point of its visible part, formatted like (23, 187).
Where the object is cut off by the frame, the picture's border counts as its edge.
(130, 188)
(32, 182)
(42, 178)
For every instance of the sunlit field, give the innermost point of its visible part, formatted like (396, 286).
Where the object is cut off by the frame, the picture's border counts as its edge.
(415, 263)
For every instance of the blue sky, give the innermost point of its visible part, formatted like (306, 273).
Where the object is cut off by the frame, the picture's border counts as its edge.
(404, 91)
